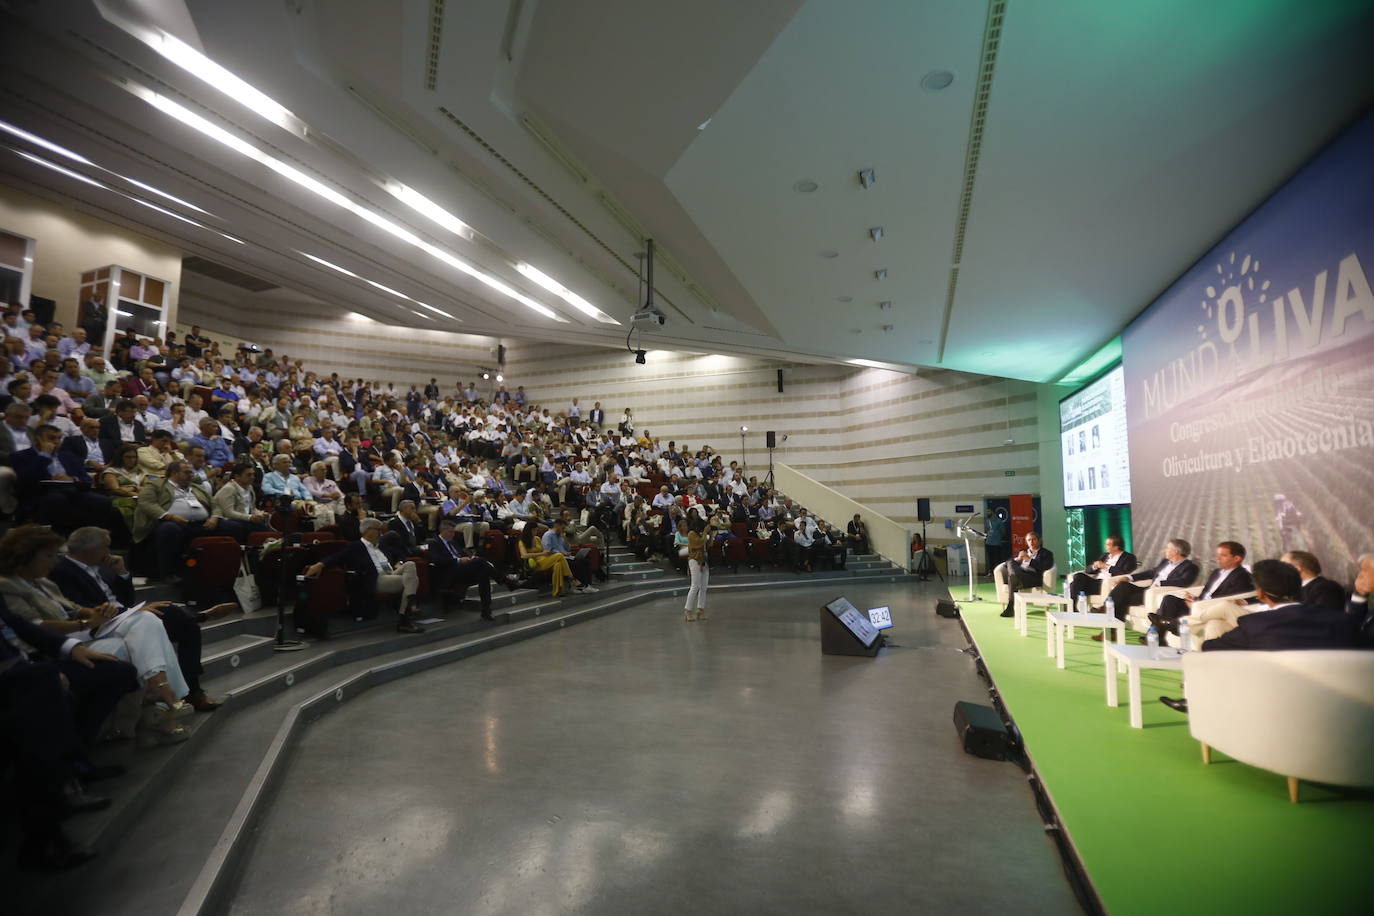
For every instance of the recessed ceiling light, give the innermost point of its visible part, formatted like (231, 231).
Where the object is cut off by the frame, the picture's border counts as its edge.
(887, 327)
(880, 273)
(704, 124)
(936, 80)
(868, 178)
(846, 298)
(805, 186)
(830, 254)
(876, 233)
(885, 305)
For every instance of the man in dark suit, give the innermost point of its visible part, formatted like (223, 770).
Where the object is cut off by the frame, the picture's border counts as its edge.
(1287, 625)
(1174, 571)
(1114, 562)
(91, 576)
(1026, 570)
(120, 426)
(1317, 590)
(596, 416)
(55, 489)
(454, 568)
(86, 446)
(373, 573)
(405, 532)
(1229, 578)
(46, 734)
(1361, 616)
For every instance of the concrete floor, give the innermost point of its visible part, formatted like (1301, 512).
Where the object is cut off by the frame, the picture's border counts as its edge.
(640, 764)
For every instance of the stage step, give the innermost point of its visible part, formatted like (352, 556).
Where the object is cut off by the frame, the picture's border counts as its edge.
(234, 652)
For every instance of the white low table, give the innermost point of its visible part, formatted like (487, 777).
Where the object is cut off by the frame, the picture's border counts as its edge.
(1135, 658)
(1021, 599)
(1059, 621)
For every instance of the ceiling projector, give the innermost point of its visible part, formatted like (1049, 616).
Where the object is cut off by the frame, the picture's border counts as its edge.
(647, 317)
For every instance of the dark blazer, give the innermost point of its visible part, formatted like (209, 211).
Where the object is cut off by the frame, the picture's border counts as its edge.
(444, 565)
(78, 586)
(596, 416)
(1296, 626)
(1125, 564)
(411, 539)
(1238, 581)
(109, 434)
(33, 468)
(77, 446)
(1323, 592)
(1184, 574)
(1362, 619)
(45, 641)
(1043, 560)
(362, 578)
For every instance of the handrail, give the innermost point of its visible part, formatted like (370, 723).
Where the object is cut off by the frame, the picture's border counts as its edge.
(890, 540)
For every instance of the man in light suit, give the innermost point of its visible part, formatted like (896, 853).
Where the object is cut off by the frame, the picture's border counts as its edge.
(1114, 562)
(174, 512)
(1026, 570)
(1229, 578)
(1317, 590)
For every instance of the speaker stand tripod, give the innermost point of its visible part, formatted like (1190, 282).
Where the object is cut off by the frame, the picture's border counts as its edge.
(925, 565)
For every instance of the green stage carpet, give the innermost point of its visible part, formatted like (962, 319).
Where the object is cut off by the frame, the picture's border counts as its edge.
(1158, 831)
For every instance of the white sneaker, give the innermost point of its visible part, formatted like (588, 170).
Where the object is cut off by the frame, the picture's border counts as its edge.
(590, 588)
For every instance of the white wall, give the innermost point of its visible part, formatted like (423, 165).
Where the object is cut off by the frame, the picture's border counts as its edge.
(69, 243)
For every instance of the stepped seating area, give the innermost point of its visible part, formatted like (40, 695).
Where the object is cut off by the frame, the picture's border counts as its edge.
(269, 696)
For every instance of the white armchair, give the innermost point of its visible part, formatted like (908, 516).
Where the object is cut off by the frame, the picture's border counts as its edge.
(999, 578)
(1229, 609)
(1302, 714)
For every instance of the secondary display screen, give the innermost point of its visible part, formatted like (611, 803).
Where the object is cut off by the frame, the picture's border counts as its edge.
(1092, 442)
(880, 617)
(854, 620)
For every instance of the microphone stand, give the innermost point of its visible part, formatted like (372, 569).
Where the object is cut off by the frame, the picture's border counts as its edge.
(966, 531)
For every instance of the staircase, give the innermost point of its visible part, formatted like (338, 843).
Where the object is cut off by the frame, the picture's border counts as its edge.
(209, 788)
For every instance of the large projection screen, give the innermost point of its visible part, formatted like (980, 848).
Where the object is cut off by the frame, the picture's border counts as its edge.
(1092, 440)
(1250, 383)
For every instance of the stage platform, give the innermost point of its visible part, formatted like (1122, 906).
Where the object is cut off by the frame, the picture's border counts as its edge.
(1154, 828)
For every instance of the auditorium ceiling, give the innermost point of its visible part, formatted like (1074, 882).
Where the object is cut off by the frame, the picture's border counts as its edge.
(1041, 170)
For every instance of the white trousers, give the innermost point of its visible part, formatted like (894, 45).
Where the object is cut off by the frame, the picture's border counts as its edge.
(143, 642)
(701, 578)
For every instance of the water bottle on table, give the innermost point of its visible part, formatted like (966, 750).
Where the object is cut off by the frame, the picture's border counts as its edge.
(1110, 607)
(1184, 642)
(1082, 607)
(1152, 640)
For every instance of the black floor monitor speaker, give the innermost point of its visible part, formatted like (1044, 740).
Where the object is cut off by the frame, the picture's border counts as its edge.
(922, 509)
(946, 608)
(770, 439)
(982, 731)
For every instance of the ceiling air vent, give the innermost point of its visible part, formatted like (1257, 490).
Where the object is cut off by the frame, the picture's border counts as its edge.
(436, 37)
(206, 268)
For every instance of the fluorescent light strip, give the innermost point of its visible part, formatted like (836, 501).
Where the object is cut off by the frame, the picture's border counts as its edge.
(104, 187)
(77, 157)
(348, 273)
(215, 132)
(423, 205)
(567, 295)
(215, 76)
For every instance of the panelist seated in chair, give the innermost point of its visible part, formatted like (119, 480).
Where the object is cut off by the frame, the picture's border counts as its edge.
(1115, 561)
(1317, 590)
(1286, 624)
(1229, 578)
(454, 568)
(1174, 571)
(1026, 570)
(374, 573)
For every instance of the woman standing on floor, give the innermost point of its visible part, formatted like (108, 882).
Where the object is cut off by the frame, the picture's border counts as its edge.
(699, 535)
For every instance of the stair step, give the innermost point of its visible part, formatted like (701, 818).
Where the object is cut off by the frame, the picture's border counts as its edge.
(235, 652)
